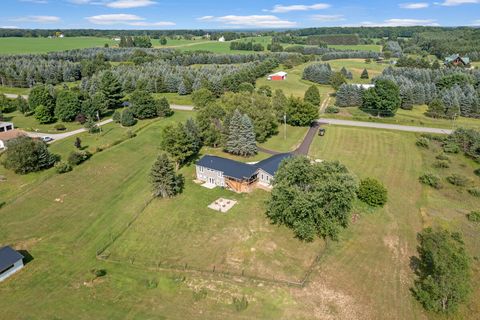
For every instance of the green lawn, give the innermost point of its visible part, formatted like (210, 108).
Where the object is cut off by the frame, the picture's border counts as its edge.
(31, 124)
(62, 220)
(175, 98)
(356, 66)
(43, 45)
(359, 47)
(371, 261)
(293, 139)
(294, 85)
(415, 117)
(185, 231)
(13, 90)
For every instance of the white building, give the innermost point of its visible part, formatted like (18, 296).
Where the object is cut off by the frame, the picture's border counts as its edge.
(6, 126)
(11, 261)
(364, 86)
(221, 39)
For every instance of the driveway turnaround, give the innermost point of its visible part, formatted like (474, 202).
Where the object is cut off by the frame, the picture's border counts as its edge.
(387, 126)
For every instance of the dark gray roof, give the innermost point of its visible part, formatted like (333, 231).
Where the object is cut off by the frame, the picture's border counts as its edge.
(270, 165)
(240, 170)
(230, 168)
(8, 256)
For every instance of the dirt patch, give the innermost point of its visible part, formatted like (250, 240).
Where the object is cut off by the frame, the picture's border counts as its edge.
(318, 301)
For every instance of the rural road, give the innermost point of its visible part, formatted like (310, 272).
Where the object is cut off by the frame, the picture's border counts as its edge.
(387, 126)
(349, 123)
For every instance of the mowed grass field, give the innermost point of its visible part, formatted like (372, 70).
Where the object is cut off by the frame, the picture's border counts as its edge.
(62, 220)
(371, 261)
(43, 45)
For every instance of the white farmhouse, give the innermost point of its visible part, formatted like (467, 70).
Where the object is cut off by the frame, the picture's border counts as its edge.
(221, 39)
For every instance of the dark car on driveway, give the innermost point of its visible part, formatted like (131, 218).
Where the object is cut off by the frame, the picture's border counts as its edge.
(321, 132)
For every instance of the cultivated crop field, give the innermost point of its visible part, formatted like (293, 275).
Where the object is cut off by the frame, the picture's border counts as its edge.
(43, 45)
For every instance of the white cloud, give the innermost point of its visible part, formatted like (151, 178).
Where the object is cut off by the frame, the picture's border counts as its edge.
(451, 3)
(414, 5)
(38, 19)
(9, 27)
(396, 22)
(299, 7)
(259, 21)
(327, 17)
(124, 4)
(126, 19)
(476, 23)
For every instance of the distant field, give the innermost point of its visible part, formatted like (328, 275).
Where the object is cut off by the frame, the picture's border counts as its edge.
(43, 45)
(359, 47)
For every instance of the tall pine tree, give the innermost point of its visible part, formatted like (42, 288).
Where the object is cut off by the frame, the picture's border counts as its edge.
(234, 137)
(165, 182)
(111, 89)
(312, 95)
(247, 138)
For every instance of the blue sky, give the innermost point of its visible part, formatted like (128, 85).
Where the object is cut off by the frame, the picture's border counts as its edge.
(241, 14)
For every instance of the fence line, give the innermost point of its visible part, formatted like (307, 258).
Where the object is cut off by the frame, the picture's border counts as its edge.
(102, 255)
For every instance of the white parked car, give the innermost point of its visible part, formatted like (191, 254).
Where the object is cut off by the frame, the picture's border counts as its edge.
(47, 139)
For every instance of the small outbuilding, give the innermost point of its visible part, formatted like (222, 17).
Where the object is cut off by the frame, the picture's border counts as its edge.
(457, 60)
(11, 261)
(279, 76)
(221, 39)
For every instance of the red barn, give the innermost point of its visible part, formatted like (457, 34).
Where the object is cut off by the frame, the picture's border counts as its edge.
(278, 76)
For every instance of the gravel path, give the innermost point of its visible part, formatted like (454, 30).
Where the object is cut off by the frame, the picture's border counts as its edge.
(60, 136)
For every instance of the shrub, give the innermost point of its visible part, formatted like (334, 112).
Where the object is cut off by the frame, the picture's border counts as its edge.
(59, 127)
(477, 172)
(151, 284)
(77, 157)
(474, 216)
(332, 109)
(423, 142)
(441, 164)
(457, 180)
(117, 117)
(442, 156)
(475, 191)
(372, 192)
(451, 147)
(240, 304)
(80, 118)
(98, 273)
(430, 180)
(128, 119)
(63, 167)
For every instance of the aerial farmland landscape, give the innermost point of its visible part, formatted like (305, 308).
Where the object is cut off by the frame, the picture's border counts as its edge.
(251, 160)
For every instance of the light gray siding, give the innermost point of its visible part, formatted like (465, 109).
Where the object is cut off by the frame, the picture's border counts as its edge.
(264, 177)
(210, 175)
(16, 267)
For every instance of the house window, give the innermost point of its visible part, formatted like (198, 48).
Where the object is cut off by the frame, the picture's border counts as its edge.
(201, 169)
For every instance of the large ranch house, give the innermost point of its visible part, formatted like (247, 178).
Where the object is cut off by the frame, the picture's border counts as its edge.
(238, 176)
